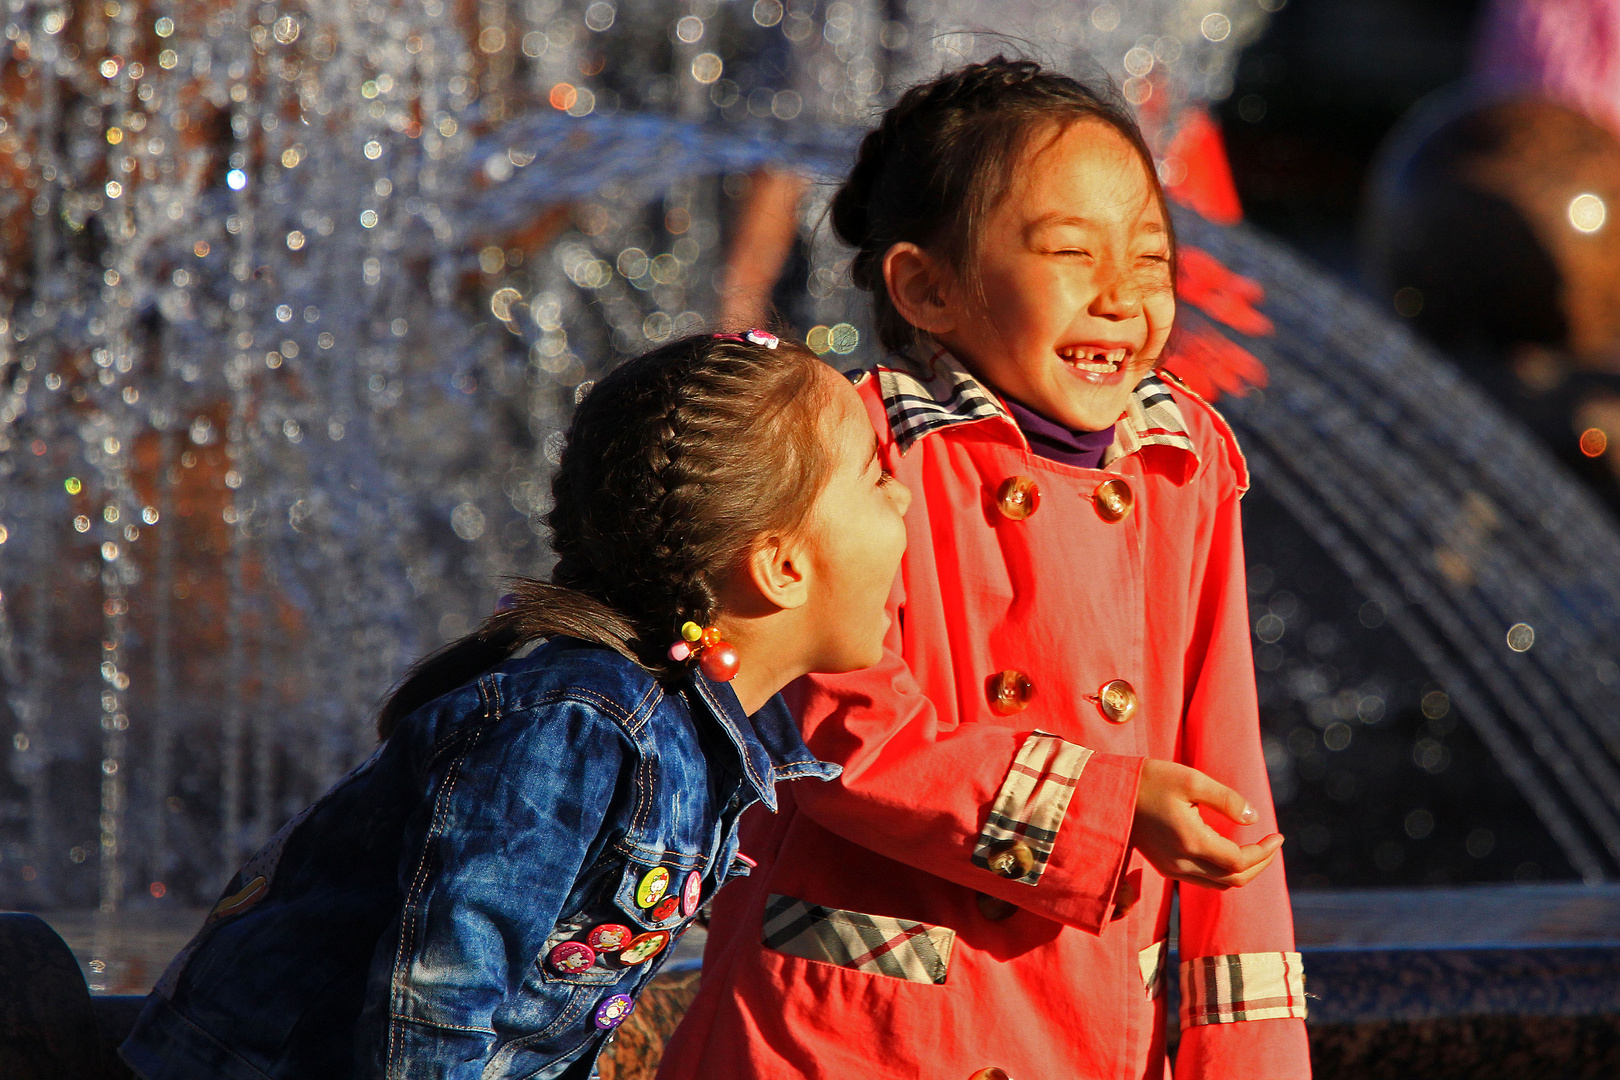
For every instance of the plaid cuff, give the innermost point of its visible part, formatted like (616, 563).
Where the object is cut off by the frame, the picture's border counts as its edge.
(898, 948)
(1242, 986)
(1033, 800)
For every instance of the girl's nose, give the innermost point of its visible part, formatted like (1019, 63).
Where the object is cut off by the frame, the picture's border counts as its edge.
(901, 496)
(1118, 299)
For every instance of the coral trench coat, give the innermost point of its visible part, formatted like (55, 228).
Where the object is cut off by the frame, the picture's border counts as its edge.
(875, 938)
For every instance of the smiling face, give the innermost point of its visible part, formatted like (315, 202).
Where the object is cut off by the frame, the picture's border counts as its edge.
(1075, 299)
(854, 538)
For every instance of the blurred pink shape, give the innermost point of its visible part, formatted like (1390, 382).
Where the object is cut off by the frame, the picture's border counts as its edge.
(1565, 50)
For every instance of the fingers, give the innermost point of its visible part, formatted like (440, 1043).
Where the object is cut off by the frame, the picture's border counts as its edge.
(1252, 861)
(1217, 796)
(1262, 856)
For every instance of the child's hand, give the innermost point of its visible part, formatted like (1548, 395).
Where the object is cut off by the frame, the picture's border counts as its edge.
(1171, 835)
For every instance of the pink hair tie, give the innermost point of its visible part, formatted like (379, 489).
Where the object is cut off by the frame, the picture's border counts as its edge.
(752, 337)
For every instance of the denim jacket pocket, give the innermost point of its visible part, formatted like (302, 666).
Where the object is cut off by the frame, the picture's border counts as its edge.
(662, 894)
(636, 914)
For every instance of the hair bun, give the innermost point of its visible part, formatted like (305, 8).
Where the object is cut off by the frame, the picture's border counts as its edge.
(931, 169)
(850, 207)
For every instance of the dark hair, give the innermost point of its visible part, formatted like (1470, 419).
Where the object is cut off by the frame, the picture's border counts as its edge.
(944, 155)
(675, 463)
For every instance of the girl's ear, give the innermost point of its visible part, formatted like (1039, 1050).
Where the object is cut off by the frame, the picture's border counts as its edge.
(920, 288)
(777, 571)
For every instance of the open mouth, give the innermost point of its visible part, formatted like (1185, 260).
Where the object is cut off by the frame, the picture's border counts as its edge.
(1094, 360)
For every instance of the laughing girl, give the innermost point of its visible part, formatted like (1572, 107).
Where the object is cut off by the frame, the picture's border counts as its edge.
(1055, 740)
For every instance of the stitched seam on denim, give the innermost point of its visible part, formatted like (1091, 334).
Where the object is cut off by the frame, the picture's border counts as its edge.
(797, 769)
(748, 765)
(644, 795)
(401, 1017)
(447, 745)
(564, 1018)
(645, 778)
(582, 695)
(665, 857)
(490, 689)
(461, 732)
(593, 1036)
(637, 720)
(408, 930)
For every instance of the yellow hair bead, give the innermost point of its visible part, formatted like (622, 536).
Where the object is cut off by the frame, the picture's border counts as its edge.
(691, 631)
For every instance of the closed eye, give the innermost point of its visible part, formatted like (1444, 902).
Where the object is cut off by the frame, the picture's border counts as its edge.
(876, 460)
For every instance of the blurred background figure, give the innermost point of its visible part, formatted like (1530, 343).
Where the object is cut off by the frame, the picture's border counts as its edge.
(1566, 51)
(1491, 223)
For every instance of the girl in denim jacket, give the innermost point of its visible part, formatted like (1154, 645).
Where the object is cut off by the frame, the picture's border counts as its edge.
(487, 894)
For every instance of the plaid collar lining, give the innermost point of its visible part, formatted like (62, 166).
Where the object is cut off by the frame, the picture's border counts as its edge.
(922, 396)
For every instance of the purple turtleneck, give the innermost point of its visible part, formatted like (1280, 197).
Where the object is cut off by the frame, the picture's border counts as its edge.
(1053, 441)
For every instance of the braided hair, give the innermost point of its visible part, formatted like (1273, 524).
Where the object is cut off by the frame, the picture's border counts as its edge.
(943, 156)
(675, 463)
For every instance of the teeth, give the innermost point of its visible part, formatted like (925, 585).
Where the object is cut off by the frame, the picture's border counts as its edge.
(1099, 362)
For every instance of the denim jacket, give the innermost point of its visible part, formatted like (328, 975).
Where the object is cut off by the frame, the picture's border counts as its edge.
(432, 914)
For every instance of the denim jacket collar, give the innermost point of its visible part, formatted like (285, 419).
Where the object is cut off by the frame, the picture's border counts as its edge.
(768, 743)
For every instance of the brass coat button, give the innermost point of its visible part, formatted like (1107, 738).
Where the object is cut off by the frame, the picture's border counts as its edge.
(995, 908)
(992, 1073)
(1011, 859)
(1018, 497)
(1114, 500)
(1009, 692)
(1117, 700)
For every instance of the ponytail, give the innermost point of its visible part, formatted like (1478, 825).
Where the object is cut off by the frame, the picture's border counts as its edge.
(539, 610)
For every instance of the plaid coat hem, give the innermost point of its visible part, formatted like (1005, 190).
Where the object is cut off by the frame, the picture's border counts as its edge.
(1242, 986)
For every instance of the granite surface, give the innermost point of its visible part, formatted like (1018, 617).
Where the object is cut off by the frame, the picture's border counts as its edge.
(1483, 915)
(1482, 983)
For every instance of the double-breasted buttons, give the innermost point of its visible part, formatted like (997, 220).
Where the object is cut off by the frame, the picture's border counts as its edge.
(1010, 859)
(1113, 500)
(1018, 497)
(1009, 692)
(995, 908)
(1117, 700)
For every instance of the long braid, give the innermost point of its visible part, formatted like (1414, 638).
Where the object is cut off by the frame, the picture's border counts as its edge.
(675, 463)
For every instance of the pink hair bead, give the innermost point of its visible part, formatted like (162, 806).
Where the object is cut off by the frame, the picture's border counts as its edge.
(679, 651)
